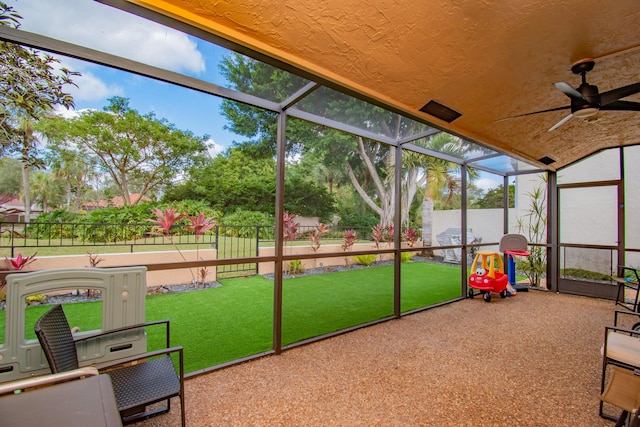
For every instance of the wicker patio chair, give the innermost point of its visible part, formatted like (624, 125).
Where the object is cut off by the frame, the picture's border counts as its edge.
(621, 349)
(152, 379)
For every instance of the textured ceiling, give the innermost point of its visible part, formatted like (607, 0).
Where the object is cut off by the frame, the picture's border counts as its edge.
(487, 59)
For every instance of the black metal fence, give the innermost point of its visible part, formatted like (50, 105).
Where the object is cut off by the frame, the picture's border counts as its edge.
(230, 241)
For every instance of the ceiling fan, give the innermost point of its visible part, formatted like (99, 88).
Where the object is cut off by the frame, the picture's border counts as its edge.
(586, 100)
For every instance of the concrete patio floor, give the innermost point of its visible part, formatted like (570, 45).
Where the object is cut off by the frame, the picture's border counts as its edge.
(528, 360)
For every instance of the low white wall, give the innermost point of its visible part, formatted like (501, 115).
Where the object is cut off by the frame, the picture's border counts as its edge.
(484, 223)
(154, 278)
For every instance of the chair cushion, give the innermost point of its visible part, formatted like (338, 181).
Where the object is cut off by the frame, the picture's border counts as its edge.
(623, 348)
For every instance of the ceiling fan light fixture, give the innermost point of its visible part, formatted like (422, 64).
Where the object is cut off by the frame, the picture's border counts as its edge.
(585, 112)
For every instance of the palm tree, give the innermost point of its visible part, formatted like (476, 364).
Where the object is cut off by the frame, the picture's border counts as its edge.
(47, 189)
(75, 167)
(433, 178)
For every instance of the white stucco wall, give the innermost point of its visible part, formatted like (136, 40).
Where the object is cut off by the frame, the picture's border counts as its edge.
(587, 215)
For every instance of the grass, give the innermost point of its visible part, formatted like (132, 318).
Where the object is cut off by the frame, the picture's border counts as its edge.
(235, 320)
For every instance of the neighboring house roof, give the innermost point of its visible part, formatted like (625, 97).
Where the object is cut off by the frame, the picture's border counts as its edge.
(14, 210)
(95, 205)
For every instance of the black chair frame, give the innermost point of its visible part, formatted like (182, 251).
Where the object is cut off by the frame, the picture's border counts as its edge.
(134, 387)
(633, 285)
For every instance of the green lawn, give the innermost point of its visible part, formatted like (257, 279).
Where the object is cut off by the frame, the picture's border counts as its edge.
(235, 320)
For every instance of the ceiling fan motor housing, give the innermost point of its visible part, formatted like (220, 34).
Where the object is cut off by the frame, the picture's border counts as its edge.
(589, 105)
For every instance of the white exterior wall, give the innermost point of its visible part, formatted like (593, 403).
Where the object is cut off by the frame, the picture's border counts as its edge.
(587, 216)
(486, 224)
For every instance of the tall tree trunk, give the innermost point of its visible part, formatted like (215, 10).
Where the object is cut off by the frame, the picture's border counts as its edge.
(68, 191)
(26, 189)
(427, 223)
(410, 186)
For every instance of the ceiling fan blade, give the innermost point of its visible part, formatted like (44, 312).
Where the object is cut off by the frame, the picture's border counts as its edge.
(622, 106)
(615, 94)
(535, 112)
(569, 90)
(561, 122)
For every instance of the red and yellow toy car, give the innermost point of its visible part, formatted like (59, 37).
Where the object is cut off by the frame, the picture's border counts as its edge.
(489, 276)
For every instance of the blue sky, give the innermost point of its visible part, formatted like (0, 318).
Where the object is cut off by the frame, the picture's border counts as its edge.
(101, 27)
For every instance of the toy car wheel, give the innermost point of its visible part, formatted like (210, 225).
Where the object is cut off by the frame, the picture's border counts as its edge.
(486, 297)
(503, 293)
(470, 293)
(636, 327)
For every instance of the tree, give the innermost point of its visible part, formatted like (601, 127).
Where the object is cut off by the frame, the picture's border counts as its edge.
(305, 197)
(369, 165)
(29, 88)
(238, 180)
(437, 180)
(494, 198)
(10, 181)
(76, 167)
(47, 190)
(140, 153)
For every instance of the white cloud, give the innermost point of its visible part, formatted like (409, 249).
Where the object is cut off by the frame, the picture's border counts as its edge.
(213, 148)
(70, 114)
(486, 183)
(91, 88)
(102, 27)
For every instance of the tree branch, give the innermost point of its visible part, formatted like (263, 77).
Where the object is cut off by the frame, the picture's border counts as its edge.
(377, 209)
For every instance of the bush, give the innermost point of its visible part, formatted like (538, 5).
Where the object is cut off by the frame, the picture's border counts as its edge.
(354, 220)
(406, 256)
(244, 223)
(137, 214)
(365, 259)
(36, 299)
(191, 207)
(47, 231)
(295, 267)
(54, 225)
(112, 224)
(58, 215)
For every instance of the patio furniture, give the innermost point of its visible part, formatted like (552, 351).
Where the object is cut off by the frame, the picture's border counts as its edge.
(623, 391)
(621, 349)
(122, 292)
(152, 378)
(80, 397)
(628, 284)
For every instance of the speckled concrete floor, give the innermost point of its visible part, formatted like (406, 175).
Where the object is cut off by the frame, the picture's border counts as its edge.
(530, 360)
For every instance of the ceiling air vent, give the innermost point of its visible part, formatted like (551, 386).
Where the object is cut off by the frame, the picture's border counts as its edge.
(440, 111)
(546, 160)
